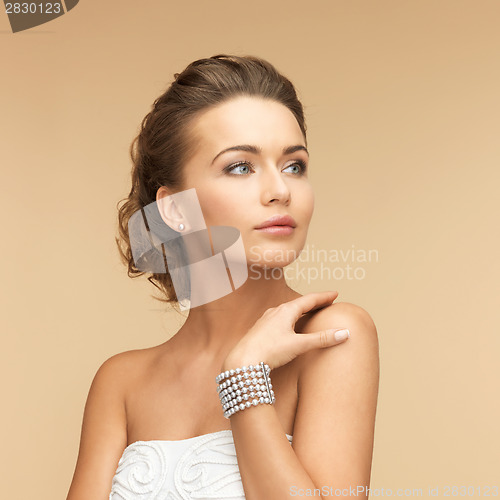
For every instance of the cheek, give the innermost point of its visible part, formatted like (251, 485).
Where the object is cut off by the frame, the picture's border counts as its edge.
(221, 207)
(305, 204)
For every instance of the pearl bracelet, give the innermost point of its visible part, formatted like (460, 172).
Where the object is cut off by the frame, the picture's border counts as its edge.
(236, 387)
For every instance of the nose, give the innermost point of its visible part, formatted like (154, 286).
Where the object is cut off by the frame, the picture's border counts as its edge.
(274, 188)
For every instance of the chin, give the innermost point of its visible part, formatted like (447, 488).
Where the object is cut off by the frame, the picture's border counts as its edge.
(273, 252)
(273, 257)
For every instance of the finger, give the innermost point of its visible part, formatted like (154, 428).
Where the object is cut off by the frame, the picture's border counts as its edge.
(311, 301)
(322, 339)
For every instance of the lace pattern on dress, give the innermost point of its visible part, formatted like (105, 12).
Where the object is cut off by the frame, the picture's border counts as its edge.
(203, 467)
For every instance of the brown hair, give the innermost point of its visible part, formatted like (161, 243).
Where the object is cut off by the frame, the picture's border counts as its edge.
(164, 143)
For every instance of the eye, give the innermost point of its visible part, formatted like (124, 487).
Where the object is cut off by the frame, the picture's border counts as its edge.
(301, 165)
(246, 164)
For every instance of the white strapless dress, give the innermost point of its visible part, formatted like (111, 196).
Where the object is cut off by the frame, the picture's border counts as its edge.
(202, 467)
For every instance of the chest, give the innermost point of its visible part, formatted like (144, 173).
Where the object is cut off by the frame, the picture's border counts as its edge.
(161, 406)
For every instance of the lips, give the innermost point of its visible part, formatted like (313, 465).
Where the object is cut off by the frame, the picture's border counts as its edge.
(278, 220)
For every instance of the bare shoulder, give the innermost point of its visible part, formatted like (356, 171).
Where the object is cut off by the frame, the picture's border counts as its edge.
(121, 365)
(339, 315)
(114, 376)
(125, 367)
(362, 330)
(122, 371)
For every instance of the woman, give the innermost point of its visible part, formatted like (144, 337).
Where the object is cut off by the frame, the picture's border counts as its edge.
(168, 422)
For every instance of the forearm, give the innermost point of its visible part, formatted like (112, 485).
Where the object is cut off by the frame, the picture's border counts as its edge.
(268, 464)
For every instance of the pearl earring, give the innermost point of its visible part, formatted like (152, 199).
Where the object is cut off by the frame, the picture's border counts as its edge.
(181, 227)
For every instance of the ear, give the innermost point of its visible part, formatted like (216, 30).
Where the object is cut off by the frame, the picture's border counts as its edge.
(169, 211)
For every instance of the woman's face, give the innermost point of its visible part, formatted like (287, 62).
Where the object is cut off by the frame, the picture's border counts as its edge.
(245, 188)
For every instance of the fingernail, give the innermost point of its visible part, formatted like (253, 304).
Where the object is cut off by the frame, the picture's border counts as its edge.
(342, 334)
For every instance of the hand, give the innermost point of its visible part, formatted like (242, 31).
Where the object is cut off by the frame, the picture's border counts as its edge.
(272, 338)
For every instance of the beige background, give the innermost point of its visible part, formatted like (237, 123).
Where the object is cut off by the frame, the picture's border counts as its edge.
(402, 104)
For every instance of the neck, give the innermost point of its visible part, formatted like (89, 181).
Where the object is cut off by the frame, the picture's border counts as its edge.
(212, 330)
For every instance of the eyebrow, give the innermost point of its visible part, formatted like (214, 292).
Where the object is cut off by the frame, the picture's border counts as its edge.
(256, 150)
